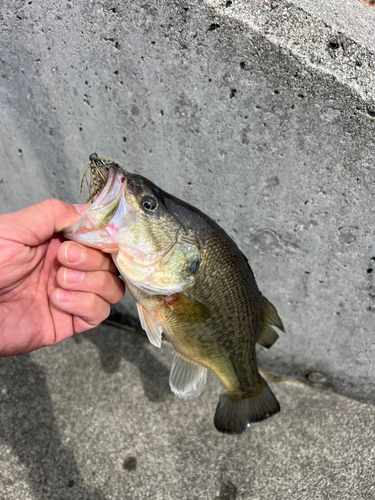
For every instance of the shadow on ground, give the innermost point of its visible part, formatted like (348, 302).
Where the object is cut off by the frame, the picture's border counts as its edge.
(115, 344)
(27, 425)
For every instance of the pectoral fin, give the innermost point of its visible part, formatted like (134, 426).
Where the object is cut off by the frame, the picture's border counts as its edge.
(187, 379)
(188, 310)
(152, 328)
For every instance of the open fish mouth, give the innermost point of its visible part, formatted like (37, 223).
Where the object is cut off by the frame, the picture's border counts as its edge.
(106, 181)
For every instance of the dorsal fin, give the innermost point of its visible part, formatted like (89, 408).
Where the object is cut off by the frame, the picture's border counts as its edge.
(271, 316)
(268, 335)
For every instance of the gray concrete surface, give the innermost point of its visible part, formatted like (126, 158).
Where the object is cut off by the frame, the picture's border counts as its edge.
(93, 418)
(261, 113)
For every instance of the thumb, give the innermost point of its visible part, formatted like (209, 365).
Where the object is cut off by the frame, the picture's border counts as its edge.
(35, 224)
(81, 209)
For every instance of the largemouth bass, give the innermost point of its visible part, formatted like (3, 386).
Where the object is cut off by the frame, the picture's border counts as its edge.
(190, 282)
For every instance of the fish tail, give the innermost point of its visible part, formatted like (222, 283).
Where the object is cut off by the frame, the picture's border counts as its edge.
(234, 413)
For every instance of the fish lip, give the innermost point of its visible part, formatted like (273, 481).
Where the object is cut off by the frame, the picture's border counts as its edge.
(114, 175)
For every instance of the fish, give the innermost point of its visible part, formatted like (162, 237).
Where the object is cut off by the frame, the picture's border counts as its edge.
(192, 286)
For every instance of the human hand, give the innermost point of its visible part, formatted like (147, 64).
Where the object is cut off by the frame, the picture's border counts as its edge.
(50, 288)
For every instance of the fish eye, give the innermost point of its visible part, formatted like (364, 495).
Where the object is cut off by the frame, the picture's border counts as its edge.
(149, 203)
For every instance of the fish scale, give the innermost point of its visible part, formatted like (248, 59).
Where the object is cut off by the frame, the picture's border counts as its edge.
(230, 317)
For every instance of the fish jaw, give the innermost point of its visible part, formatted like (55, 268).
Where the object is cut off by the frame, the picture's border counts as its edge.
(82, 233)
(99, 226)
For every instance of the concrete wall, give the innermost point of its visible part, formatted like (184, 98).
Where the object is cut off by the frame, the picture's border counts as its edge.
(260, 113)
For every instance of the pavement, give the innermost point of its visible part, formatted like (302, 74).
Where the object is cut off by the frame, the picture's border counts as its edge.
(93, 418)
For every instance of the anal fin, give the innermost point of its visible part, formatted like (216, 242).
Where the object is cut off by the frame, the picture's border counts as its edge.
(150, 326)
(187, 379)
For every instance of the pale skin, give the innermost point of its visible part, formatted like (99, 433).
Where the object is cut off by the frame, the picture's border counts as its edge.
(50, 288)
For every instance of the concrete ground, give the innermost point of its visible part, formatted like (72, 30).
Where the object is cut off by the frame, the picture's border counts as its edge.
(93, 418)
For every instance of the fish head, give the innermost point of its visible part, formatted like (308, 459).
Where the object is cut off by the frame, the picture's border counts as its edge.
(153, 229)
(130, 219)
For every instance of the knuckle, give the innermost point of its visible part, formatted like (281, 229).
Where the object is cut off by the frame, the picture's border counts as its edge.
(105, 280)
(117, 291)
(99, 281)
(51, 205)
(93, 302)
(105, 311)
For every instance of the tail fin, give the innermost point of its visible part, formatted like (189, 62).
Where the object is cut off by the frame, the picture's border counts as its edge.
(234, 414)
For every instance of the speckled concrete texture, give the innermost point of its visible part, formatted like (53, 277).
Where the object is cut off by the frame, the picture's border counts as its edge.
(260, 113)
(93, 418)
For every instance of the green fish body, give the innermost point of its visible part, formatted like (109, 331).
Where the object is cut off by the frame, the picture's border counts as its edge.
(191, 283)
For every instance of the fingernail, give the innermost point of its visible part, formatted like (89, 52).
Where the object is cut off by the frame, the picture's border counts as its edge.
(73, 276)
(81, 209)
(64, 295)
(74, 253)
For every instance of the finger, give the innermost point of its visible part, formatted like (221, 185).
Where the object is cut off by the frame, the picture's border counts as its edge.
(103, 283)
(76, 256)
(37, 223)
(89, 307)
(81, 209)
